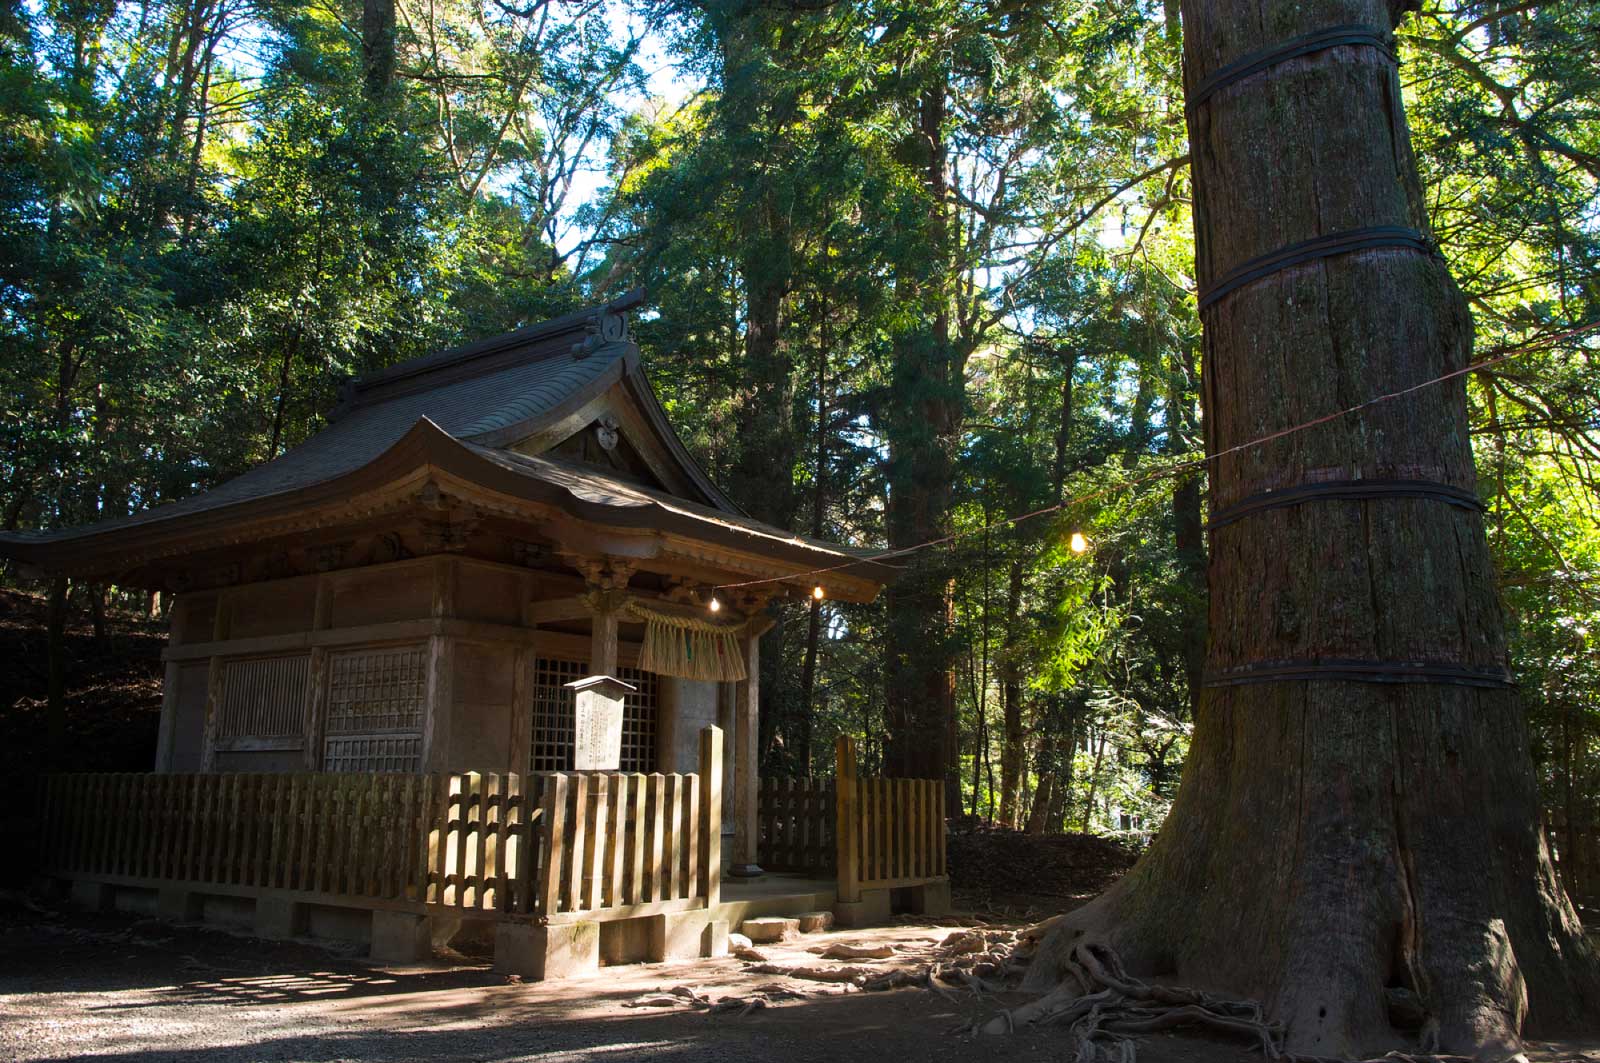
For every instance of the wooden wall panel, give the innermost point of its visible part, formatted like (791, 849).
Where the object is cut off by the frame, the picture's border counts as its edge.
(277, 608)
(399, 592)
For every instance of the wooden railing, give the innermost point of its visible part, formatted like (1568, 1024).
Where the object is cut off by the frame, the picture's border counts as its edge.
(891, 832)
(580, 844)
(796, 818)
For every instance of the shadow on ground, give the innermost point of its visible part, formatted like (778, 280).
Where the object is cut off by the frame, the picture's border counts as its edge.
(120, 989)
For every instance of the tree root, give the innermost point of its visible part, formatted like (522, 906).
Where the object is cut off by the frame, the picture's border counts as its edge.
(856, 976)
(844, 950)
(1108, 1007)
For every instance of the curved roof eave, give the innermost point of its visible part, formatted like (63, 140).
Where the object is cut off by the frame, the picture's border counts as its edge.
(426, 444)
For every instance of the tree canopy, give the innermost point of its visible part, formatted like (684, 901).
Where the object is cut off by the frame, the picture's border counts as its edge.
(916, 270)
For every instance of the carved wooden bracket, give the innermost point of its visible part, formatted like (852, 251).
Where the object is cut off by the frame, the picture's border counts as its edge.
(600, 602)
(329, 556)
(446, 523)
(529, 555)
(601, 573)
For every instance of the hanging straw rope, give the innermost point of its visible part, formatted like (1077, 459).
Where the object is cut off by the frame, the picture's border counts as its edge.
(689, 648)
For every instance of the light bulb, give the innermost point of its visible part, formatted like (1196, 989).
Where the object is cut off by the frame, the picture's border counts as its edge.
(818, 593)
(713, 605)
(1078, 543)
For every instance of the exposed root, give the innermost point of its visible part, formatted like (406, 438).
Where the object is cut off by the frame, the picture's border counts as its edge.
(844, 950)
(856, 976)
(671, 998)
(683, 996)
(1108, 1007)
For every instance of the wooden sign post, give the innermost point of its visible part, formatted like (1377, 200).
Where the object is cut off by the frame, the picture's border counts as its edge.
(597, 723)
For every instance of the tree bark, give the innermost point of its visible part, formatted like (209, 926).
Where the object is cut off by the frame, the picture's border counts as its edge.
(924, 429)
(97, 615)
(1041, 803)
(1333, 838)
(1011, 749)
(1094, 781)
(377, 47)
(819, 501)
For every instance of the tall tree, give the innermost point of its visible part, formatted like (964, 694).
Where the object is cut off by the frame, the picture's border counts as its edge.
(1340, 834)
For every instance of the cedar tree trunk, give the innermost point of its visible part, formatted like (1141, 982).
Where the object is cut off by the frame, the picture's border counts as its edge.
(1334, 839)
(927, 392)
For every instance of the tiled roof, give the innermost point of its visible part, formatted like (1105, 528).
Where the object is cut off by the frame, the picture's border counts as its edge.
(462, 403)
(465, 407)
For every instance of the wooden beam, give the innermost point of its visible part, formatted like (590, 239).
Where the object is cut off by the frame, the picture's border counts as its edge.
(555, 610)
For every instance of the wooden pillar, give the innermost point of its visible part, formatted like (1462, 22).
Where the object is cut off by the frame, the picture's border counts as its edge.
(177, 635)
(605, 598)
(725, 720)
(438, 709)
(317, 678)
(746, 758)
(167, 736)
(438, 698)
(667, 724)
(221, 628)
(603, 642)
(519, 746)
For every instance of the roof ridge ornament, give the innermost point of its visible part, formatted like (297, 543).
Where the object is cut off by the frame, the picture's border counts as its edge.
(609, 324)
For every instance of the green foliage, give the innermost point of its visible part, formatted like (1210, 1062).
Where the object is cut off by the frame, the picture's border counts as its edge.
(969, 221)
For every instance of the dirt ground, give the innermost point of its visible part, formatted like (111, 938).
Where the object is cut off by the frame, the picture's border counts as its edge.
(118, 988)
(122, 988)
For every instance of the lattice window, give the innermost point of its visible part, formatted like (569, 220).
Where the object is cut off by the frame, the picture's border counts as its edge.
(553, 713)
(263, 697)
(373, 753)
(376, 690)
(639, 720)
(375, 706)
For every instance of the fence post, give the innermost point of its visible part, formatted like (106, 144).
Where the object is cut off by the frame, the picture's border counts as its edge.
(553, 808)
(846, 799)
(711, 815)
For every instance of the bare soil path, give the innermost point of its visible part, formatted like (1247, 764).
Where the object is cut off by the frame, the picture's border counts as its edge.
(129, 990)
(118, 988)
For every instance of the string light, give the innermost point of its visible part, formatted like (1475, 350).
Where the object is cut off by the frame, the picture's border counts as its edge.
(1078, 543)
(713, 605)
(1505, 354)
(818, 593)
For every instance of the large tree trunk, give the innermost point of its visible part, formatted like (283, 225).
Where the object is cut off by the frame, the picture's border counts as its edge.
(1333, 838)
(819, 509)
(377, 47)
(924, 430)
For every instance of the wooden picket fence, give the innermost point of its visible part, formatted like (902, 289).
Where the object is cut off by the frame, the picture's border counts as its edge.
(891, 832)
(628, 845)
(796, 819)
(598, 844)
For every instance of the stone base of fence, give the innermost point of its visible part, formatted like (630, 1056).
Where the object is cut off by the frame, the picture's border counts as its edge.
(565, 950)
